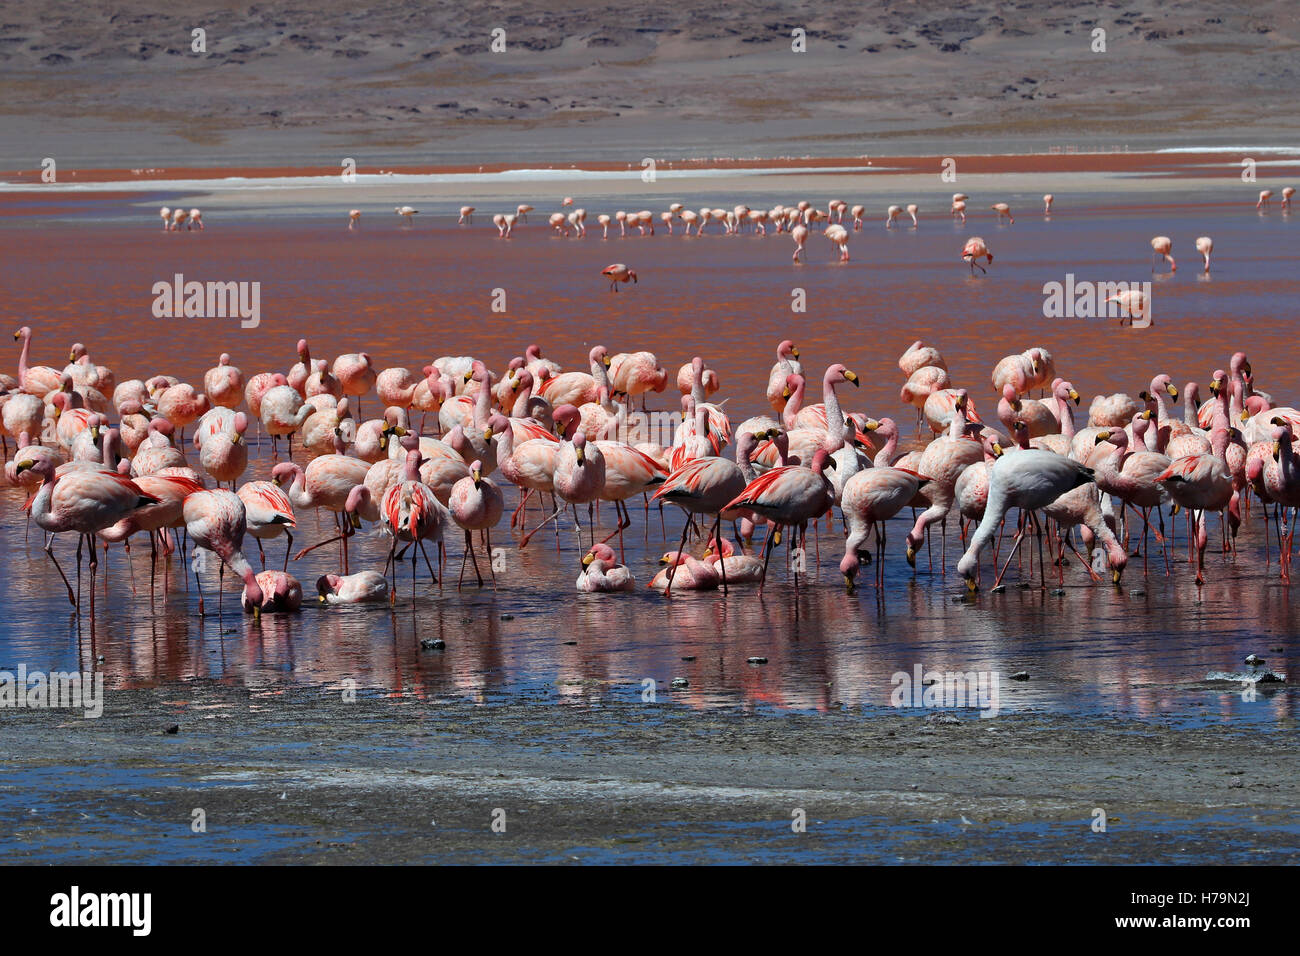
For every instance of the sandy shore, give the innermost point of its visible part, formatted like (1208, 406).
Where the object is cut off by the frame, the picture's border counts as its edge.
(287, 774)
(120, 84)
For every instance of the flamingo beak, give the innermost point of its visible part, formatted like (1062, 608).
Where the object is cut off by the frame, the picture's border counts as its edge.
(1115, 575)
(469, 375)
(971, 586)
(582, 455)
(997, 450)
(1245, 415)
(587, 559)
(1074, 395)
(852, 377)
(24, 465)
(1277, 450)
(794, 352)
(356, 521)
(236, 439)
(1101, 437)
(606, 360)
(1173, 392)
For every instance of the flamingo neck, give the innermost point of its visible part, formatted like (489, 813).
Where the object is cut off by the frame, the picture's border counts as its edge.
(886, 454)
(790, 414)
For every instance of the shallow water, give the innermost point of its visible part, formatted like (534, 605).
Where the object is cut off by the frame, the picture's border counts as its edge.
(85, 271)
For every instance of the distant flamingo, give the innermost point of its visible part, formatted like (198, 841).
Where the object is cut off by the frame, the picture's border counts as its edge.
(1264, 196)
(1205, 245)
(974, 250)
(1047, 204)
(406, 212)
(616, 273)
(840, 237)
(800, 235)
(354, 218)
(1161, 247)
(1002, 209)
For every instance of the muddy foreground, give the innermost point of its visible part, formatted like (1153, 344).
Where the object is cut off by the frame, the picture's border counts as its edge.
(298, 775)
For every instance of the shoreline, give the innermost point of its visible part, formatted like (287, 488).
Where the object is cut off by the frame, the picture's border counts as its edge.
(310, 779)
(1185, 163)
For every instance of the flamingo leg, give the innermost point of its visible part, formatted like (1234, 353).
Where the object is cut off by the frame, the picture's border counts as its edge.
(49, 550)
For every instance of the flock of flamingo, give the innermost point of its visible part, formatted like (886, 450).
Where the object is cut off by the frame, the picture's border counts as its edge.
(106, 460)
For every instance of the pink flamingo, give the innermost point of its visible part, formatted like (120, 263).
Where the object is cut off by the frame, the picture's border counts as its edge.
(1265, 195)
(1205, 245)
(466, 215)
(800, 236)
(35, 379)
(617, 272)
(356, 373)
(360, 588)
(215, 521)
(579, 475)
(412, 513)
(789, 496)
(476, 505)
(1201, 483)
(223, 384)
(602, 573)
(974, 250)
(1161, 247)
(1002, 209)
(267, 514)
(870, 498)
(354, 218)
(277, 592)
(85, 501)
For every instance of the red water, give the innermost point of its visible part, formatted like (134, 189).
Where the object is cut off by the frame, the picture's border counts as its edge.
(408, 296)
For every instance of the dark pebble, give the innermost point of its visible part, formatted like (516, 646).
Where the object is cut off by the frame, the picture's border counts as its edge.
(681, 682)
(999, 589)
(689, 658)
(432, 644)
(757, 660)
(570, 643)
(1058, 592)
(173, 729)
(507, 617)
(1254, 660)
(1020, 675)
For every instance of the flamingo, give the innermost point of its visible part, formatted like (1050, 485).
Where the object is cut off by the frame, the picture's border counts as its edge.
(476, 505)
(364, 587)
(617, 272)
(466, 215)
(1030, 480)
(354, 219)
(869, 498)
(800, 235)
(789, 496)
(166, 214)
(216, 522)
(1161, 246)
(35, 379)
(579, 474)
(406, 212)
(85, 501)
(522, 211)
(223, 384)
(602, 573)
(1205, 245)
(1287, 193)
(411, 512)
(267, 514)
(1002, 209)
(787, 363)
(959, 209)
(196, 219)
(1264, 196)
(976, 249)
(840, 237)
(1047, 204)
(1201, 483)
(891, 214)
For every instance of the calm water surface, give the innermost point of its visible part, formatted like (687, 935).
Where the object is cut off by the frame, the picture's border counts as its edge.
(83, 269)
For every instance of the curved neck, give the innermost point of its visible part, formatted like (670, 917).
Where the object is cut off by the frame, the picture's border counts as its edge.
(790, 413)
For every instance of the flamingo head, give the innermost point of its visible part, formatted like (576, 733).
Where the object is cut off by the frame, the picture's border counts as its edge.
(600, 355)
(599, 552)
(327, 584)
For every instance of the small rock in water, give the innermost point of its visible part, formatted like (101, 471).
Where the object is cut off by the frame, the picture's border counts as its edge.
(999, 589)
(757, 660)
(942, 719)
(507, 617)
(1137, 592)
(99, 659)
(569, 643)
(1058, 592)
(689, 657)
(432, 644)
(173, 729)
(1254, 660)
(1020, 675)
(681, 682)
